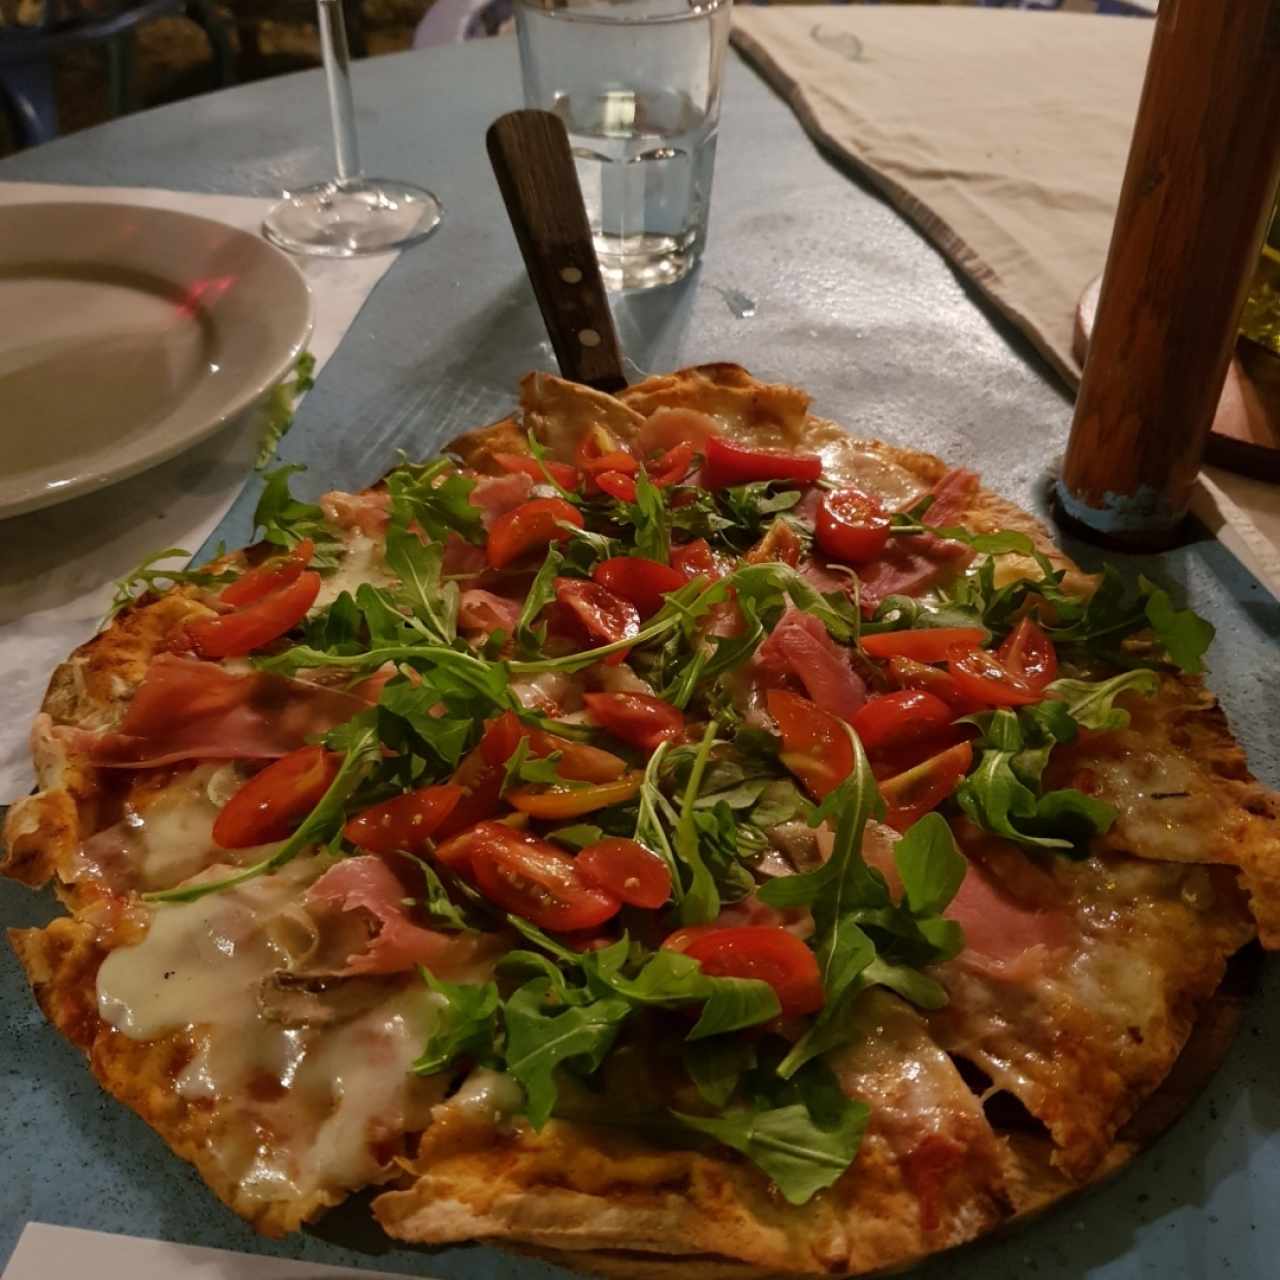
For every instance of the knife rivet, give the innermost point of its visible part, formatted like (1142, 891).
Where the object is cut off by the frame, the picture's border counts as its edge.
(588, 337)
(570, 275)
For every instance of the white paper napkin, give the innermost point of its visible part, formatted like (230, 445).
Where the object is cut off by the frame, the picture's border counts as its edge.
(55, 1253)
(58, 566)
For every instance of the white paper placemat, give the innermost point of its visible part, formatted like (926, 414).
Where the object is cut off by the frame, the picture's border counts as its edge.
(62, 1253)
(58, 566)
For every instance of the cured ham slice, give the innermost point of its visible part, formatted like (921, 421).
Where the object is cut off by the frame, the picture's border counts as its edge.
(496, 495)
(801, 647)
(368, 512)
(191, 710)
(912, 565)
(396, 944)
(481, 613)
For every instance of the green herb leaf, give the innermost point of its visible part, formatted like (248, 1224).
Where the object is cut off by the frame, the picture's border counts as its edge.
(467, 1024)
(1091, 704)
(578, 836)
(284, 521)
(542, 591)
(417, 564)
(1183, 634)
(281, 406)
(700, 901)
(931, 867)
(437, 496)
(716, 1067)
(146, 577)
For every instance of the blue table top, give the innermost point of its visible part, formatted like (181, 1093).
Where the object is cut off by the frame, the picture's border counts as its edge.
(849, 303)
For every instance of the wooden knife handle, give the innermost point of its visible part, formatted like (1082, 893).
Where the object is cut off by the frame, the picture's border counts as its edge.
(529, 151)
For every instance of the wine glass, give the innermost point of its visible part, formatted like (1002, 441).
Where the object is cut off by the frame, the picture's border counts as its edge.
(349, 214)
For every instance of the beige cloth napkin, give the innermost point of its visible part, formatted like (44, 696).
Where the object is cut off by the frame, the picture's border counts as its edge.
(1003, 134)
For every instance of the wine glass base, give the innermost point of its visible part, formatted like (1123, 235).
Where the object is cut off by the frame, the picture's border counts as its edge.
(344, 220)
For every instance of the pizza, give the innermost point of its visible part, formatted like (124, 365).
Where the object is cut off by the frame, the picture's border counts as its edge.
(663, 831)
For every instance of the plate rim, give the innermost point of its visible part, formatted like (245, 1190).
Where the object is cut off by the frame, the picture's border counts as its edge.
(97, 479)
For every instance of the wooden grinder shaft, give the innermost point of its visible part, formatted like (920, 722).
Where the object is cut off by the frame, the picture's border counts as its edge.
(1199, 187)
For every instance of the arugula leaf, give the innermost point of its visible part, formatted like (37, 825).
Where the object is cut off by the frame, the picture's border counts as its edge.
(804, 1138)
(467, 1024)
(1091, 704)
(281, 406)
(931, 867)
(359, 739)
(444, 912)
(418, 566)
(148, 578)
(540, 457)
(578, 836)
(542, 1033)
(521, 767)
(780, 801)
(650, 830)
(336, 627)
(437, 496)
(1183, 634)
(285, 521)
(716, 1067)
(649, 516)
(720, 839)
(445, 736)
(700, 901)
(542, 591)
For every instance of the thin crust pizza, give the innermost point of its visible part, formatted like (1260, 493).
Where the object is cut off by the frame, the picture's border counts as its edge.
(661, 831)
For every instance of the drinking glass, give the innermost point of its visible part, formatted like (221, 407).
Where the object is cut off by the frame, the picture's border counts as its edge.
(637, 84)
(349, 214)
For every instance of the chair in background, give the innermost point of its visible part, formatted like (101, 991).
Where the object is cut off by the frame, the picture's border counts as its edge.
(27, 53)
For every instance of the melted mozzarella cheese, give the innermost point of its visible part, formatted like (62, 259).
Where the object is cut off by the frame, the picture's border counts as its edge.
(1165, 810)
(327, 1094)
(363, 562)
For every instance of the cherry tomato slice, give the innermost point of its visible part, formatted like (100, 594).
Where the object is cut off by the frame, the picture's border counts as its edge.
(694, 559)
(533, 879)
(234, 634)
(556, 803)
(726, 464)
(673, 466)
(980, 675)
(907, 673)
(852, 526)
(529, 527)
(643, 582)
(815, 744)
(617, 484)
(766, 952)
(923, 644)
(638, 719)
(894, 720)
(604, 616)
(405, 822)
(1029, 654)
(269, 576)
(578, 761)
(909, 796)
(526, 464)
(272, 803)
(627, 870)
(599, 452)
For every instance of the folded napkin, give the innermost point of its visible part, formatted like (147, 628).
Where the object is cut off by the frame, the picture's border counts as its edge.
(58, 585)
(1003, 135)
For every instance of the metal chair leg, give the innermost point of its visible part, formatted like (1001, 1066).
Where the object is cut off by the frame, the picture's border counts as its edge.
(27, 97)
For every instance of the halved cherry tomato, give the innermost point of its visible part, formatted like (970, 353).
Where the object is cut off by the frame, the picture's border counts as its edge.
(684, 938)
(924, 644)
(455, 852)
(909, 796)
(627, 870)
(526, 464)
(907, 673)
(617, 484)
(980, 675)
(529, 527)
(852, 526)
(533, 879)
(273, 802)
(269, 576)
(643, 582)
(897, 719)
(604, 616)
(405, 822)
(766, 952)
(728, 464)
(815, 744)
(572, 802)
(1029, 654)
(696, 558)
(638, 719)
(578, 761)
(672, 466)
(599, 452)
(234, 634)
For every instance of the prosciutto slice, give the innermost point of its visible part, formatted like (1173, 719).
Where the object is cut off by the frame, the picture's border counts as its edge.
(496, 495)
(186, 709)
(482, 613)
(801, 647)
(912, 565)
(396, 944)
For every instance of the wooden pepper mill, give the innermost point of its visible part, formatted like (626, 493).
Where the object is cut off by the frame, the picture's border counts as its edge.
(1199, 187)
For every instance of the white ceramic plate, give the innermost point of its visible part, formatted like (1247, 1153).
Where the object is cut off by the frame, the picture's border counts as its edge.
(128, 334)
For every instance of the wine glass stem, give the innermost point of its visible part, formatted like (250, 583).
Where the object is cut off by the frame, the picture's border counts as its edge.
(342, 107)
